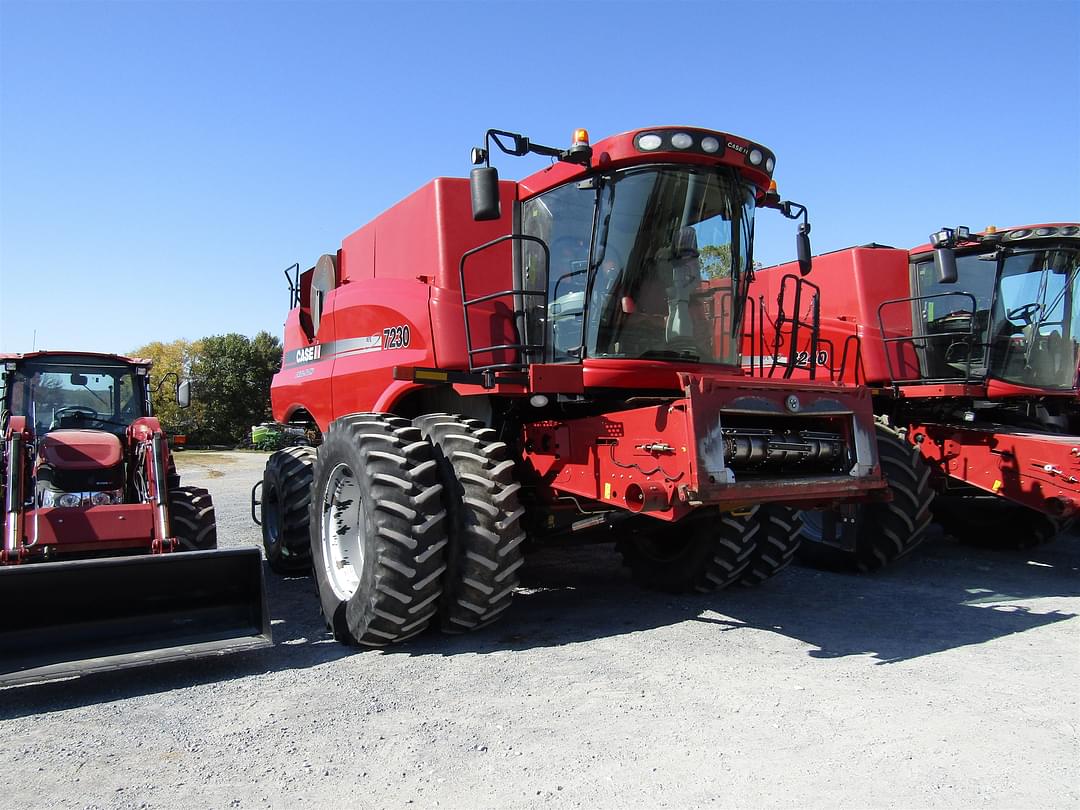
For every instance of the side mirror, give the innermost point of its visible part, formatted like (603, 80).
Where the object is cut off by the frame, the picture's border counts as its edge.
(945, 265)
(484, 186)
(802, 247)
(183, 394)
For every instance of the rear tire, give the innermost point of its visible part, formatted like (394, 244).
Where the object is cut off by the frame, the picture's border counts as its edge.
(778, 538)
(377, 535)
(884, 532)
(286, 495)
(172, 477)
(705, 551)
(996, 523)
(191, 514)
(483, 520)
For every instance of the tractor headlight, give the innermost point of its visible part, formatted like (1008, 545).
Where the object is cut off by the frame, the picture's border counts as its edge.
(71, 500)
(51, 497)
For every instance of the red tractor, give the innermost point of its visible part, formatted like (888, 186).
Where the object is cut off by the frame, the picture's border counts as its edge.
(492, 363)
(87, 473)
(970, 346)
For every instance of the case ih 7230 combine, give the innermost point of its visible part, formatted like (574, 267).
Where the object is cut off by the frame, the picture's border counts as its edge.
(970, 347)
(551, 358)
(87, 474)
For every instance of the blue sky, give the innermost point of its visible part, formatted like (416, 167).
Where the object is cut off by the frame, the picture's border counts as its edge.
(162, 162)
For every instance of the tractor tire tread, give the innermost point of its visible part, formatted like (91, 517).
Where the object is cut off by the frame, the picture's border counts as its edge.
(192, 517)
(408, 520)
(484, 520)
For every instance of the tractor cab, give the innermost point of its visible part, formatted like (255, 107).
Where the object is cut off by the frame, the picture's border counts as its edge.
(647, 262)
(77, 392)
(78, 409)
(1011, 314)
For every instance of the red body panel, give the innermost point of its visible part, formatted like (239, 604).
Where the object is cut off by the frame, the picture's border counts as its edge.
(400, 270)
(668, 459)
(1038, 470)
(95, 528)
(854, 283)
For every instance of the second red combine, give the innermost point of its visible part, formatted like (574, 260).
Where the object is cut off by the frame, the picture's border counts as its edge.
(969, 346)
(556, 359)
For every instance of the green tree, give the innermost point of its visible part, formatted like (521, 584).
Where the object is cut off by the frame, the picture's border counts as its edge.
(715, 261)
(175, 357)
(231, 377)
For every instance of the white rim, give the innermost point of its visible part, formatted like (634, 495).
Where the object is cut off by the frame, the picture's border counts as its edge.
(343, 516)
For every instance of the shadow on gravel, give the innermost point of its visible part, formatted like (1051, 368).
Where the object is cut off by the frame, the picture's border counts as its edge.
(947, 597)
(300, 642)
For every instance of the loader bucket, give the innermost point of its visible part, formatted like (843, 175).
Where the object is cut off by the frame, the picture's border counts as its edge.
(72, 618)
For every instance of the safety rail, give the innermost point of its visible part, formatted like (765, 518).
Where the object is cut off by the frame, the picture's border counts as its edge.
(797, 323)
(517, 315)
(292, 276)
(824, 348)
(920, 342)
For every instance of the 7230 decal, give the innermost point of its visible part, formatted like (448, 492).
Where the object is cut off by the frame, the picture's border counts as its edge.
(396, 337)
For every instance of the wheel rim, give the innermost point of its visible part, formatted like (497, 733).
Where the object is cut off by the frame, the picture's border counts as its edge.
(813, 525)
(343, 517)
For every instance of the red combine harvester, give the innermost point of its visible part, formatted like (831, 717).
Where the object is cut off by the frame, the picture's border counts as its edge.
(87, 473)
(551, 358)
(969, 346)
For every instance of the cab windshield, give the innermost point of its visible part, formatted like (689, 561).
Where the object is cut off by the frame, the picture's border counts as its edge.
(648, 262)
(1025, 318)
(77, 394)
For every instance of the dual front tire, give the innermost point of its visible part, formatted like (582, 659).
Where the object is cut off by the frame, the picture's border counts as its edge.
(412, 524)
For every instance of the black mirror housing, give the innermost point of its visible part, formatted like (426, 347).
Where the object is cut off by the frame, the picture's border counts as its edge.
(802, 247)
(945, 265)
(484, 188)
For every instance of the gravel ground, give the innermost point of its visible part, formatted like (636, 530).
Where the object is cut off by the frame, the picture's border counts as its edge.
(949, 681)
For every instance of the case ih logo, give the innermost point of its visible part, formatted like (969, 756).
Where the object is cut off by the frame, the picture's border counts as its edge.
(308, 354)
(743, 150)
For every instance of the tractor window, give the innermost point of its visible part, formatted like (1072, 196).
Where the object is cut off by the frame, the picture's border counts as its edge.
(563, 218)
(671, 255)
(1037, 333)
(99, 396)
(648, 262)
(1026, 318)
(950, 321)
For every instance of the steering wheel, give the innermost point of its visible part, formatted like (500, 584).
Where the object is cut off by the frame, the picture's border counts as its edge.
(77, 411)
(1023, 313)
